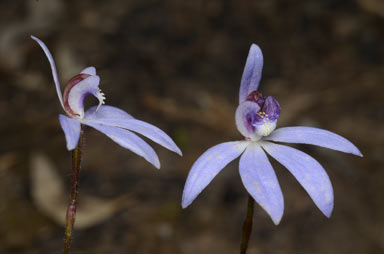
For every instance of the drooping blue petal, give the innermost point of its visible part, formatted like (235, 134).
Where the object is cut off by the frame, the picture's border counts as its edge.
(128, 140)
(313, 136)
(53, 68)
(207, 166)
(71, 128)
(252, 72)
(106, 112)
(261, 182)
(89, 70)
(145, 129)
(308, 172)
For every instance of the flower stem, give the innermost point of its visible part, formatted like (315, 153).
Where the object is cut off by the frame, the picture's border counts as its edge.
(247, 226)
(71, 210)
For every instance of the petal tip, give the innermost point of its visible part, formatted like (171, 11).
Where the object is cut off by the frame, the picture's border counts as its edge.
(178, 151)
(328, 213)
(356, 151)
(276, 218)
(327, 209)
(276, 221)
(70, 148)
(185, 203)
(156, 164)
(173, 147)
(255, 47)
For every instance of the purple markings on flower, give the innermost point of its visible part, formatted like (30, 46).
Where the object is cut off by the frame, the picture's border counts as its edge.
(113, 122)
(271, 108)
(79, 87)
(256, 118)
(244, 117)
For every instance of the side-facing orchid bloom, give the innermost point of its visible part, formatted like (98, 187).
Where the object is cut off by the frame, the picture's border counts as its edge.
(113, 122)
(256, 118)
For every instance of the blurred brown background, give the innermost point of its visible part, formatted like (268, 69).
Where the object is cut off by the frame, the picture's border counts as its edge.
(178, 64)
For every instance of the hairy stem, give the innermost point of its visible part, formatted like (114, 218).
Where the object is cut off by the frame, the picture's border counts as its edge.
(247, 226)
(71, 210)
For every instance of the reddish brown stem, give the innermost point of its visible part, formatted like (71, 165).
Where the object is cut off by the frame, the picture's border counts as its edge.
(247, 226)
(71, 210)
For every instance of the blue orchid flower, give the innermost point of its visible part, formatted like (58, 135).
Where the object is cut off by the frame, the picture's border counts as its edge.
(113, 122)
(256, 118)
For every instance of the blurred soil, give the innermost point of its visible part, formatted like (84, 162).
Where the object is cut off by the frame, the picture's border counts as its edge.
(177, 65)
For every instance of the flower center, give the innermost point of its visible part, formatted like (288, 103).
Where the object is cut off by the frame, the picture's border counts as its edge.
(269, 107)
(75, 92)
(257, 116)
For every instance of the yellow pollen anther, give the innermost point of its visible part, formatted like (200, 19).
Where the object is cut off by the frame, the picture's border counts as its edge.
(263, 115)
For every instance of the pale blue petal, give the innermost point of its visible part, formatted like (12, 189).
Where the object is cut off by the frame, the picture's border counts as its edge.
(261, 182)
(310, 174)
(313, 136)
(106, 112)
(89, 70)
(53, 68)
(145, 129)
(71, 128)
(252, 72)
(207, 166)
(128, 140)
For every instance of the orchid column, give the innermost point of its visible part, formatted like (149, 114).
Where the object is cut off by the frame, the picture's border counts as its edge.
(113, 122)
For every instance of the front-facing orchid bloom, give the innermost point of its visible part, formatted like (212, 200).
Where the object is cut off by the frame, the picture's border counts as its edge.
(256, 118)
(113, 122)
